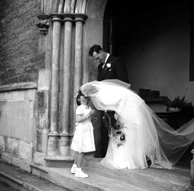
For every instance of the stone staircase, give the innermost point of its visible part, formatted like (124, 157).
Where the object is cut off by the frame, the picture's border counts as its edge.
(104, 179)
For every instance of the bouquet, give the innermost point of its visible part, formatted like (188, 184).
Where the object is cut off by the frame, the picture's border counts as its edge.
(115, 128)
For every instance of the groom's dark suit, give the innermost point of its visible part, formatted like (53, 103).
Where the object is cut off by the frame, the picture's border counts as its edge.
(117, 70)
(113, 69)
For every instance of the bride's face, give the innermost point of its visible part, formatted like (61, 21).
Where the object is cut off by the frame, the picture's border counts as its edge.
(84, 100)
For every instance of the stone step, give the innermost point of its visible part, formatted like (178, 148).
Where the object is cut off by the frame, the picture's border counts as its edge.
(24, 181)
(58, 161)
(101, 178)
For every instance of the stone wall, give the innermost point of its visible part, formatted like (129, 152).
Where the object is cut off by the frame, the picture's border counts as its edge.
(20, 58)
(18, 121)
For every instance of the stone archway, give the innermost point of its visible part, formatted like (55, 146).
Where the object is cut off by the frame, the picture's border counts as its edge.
(74, 27)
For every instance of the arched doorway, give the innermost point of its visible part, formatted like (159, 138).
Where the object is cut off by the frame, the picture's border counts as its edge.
(152, 38)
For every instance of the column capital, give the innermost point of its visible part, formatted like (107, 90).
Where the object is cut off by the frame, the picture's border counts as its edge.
(64, 17)
(80, 17)
(68, 17)
(56, 17)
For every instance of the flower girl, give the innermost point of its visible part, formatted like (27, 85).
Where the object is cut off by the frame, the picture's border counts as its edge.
(83, 140)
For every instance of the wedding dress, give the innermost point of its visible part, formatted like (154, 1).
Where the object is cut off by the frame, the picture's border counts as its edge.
(146, 136)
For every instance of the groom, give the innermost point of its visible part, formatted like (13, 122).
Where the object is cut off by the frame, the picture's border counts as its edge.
(109, 67)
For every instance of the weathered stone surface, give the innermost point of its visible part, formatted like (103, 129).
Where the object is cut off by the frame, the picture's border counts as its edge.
(17, 116)
(2, 144)
(42, 109)
(44, 78)
(17, 119)
(39, 158)
(8, 158)
(16, 148)
(25, 150)
(19, 36)
(41, 100)
(12, 146)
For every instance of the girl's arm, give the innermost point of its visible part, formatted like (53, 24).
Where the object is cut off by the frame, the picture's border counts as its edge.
(81, 118)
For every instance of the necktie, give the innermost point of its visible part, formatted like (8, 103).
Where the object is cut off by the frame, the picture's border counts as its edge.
(104, 65)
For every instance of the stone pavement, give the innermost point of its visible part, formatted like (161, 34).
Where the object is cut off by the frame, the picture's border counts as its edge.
(103, 179)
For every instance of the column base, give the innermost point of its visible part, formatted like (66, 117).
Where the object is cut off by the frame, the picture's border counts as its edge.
(64, 144)
(59, 161)
(52, 144)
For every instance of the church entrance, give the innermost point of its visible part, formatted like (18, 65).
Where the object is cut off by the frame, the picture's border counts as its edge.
(146, 36)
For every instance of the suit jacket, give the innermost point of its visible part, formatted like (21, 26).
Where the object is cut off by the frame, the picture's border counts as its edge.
(114, 69)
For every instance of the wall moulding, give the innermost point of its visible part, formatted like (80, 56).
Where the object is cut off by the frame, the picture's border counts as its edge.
(68, 15)
(44, 20)
(18, 86)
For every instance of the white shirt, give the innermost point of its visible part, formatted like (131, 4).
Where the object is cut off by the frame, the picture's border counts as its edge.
(107, 56)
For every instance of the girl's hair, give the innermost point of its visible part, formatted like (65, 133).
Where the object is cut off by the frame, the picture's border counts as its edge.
(78, 97)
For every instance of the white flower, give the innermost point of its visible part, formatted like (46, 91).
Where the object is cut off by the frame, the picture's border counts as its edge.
(108, 65)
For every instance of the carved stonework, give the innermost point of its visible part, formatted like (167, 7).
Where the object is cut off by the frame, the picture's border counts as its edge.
(44, 23)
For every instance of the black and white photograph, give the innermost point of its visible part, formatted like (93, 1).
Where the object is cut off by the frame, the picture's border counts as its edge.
(96, 95)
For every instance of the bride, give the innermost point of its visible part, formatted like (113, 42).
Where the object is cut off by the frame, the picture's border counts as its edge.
(138, 134)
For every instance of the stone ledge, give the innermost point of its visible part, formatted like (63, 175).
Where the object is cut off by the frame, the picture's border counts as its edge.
(18, 86)
(59, 158)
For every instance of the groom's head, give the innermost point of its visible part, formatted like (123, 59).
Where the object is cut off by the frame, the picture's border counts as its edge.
(97, 53)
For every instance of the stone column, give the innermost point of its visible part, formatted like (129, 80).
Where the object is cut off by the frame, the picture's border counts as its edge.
(65, 136)
(79, 20)
(53, 138)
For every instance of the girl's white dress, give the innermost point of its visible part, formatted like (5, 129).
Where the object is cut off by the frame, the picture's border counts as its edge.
(83, 139)
(146, 135)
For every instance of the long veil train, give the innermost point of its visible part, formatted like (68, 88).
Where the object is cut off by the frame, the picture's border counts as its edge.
(147, 136)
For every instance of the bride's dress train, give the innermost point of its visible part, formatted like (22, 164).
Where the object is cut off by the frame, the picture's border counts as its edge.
(146, 135)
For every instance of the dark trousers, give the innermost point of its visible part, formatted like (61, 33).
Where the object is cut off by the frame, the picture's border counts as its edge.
(104, 136)
(101, 137)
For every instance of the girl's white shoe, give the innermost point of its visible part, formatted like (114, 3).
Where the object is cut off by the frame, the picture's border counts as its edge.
(80, 174)
(73, 168)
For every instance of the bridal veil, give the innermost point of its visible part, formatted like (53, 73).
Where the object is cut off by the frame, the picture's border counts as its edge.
(147, 136)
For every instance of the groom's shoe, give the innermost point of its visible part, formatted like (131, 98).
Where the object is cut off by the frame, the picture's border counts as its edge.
(99, 155)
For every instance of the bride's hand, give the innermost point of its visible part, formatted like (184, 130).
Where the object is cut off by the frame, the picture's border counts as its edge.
(92, 112)
(94, 119)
